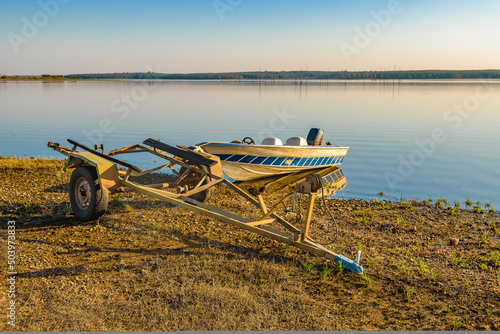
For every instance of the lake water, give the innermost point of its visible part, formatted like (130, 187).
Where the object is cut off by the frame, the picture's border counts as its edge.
(410, 139)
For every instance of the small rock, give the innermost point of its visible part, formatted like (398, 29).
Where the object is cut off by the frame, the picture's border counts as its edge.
(453, 241)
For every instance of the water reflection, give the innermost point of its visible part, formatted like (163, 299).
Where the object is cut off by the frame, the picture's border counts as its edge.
(381, 122)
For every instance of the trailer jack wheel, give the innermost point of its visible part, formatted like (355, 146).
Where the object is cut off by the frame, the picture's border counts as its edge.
(88, 199)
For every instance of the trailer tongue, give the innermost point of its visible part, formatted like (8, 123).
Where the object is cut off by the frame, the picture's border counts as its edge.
(97, 174)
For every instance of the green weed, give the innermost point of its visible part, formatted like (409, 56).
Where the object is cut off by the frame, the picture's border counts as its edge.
(422, 267)
(69, 209)
(406, 206)
(455, 323)
(451, 210)
(485, 238)
(370, 261)
(128, 208)
(30, 208)
(457, 204)
(457, 259)
(402, 267)
(489, 312)
(308, 266)
(116, 199)
(434, 276)
(381, 193)
(487, 204)
(468, 202)
(379, 204)
(447, 308)
(156, 226)
(492, 209)
(359, 243)
(365, 219)
(399, 221)
(492, 226)
(409, 292)
(495, 258)
(326, 272)
(364, 280)
(439, 204)
(341, 267)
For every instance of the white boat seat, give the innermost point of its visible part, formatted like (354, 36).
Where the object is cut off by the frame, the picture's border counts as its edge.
(272, 141)
(296, 141)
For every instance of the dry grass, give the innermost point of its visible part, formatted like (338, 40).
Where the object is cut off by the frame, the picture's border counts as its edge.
(28, 163)
(196, 293)
(160, 268)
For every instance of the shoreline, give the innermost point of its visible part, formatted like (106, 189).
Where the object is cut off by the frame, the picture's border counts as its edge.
(45, 79)
(302, 81)
(487, 206)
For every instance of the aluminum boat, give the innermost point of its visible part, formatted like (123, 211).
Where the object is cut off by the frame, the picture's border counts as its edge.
(245, 160)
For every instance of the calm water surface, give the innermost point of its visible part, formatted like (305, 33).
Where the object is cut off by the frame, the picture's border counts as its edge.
(413, 139)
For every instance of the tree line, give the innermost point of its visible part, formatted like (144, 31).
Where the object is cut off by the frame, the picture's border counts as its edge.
(302, 75)
(277, 75)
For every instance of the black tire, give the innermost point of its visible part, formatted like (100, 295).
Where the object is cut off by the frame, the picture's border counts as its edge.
(88, 200)
(201, 196)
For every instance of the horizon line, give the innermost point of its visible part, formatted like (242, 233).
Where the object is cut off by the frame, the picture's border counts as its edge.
(260, 71)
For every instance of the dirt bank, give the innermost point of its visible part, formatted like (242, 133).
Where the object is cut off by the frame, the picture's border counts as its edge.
(146, 265)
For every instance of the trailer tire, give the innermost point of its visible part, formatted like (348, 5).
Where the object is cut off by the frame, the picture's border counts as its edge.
(88, 199)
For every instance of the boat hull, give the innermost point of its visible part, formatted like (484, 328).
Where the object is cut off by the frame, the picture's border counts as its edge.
(250, 162)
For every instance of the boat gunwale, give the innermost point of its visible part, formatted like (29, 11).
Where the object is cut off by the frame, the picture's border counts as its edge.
(225, 144)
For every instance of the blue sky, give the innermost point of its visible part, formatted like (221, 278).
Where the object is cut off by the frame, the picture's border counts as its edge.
(84, 36)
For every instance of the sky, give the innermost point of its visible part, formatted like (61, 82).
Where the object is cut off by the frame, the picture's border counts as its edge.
(192, 36)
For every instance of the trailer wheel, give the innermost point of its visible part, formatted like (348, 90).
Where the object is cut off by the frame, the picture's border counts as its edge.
(192, 180)
(88, 200)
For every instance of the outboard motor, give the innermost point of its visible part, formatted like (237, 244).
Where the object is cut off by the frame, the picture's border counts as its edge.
(315, 137)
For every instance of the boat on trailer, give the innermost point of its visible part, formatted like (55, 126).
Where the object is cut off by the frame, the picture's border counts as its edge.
(244, 161)
(98, 174)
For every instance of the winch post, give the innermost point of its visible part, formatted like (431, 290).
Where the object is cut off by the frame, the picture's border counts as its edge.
(307, 223)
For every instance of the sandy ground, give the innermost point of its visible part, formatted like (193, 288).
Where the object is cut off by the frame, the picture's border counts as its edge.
(146, 265)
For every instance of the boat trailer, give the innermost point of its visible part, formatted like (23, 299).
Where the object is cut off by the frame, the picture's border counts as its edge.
(96, 174)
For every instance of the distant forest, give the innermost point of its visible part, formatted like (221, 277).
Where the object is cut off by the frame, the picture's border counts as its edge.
(297, 76)
(303, 75)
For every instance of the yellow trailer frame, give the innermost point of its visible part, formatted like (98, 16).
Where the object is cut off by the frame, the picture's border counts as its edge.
(110, 178)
